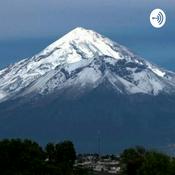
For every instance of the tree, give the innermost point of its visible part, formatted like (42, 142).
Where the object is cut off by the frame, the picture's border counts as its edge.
(138, 161)
(50, 152)
(62, 156)
(61, 153)
(65, 152)
(131, 160)
(25, 157)
(17, 156)
(155, 164)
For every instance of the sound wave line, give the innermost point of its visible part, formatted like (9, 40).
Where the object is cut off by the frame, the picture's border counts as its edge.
(159, 18)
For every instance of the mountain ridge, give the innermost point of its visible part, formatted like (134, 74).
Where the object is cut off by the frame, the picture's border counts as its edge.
(58, 66)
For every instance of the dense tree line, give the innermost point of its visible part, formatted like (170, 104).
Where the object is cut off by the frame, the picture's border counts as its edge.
(139, 161)
(25, 157)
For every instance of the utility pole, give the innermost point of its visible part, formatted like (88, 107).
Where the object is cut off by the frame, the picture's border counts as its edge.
(99, 142)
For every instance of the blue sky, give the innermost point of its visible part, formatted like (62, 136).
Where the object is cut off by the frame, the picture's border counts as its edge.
(26, 27)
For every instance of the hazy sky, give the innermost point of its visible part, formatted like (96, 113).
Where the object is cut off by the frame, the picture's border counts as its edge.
(42, 18)
(26, 26)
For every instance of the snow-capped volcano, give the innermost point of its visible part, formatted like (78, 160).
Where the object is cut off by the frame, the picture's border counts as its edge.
(84, 59)
(84, 83)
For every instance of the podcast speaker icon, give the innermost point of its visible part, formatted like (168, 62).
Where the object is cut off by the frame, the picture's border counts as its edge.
(157, 18)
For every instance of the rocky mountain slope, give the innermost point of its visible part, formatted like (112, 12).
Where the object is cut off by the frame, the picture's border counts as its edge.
(84, 59)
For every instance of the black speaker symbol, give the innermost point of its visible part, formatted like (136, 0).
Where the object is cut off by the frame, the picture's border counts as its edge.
(159, 18)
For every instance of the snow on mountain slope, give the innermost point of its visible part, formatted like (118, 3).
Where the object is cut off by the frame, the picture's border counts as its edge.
(80, 59)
